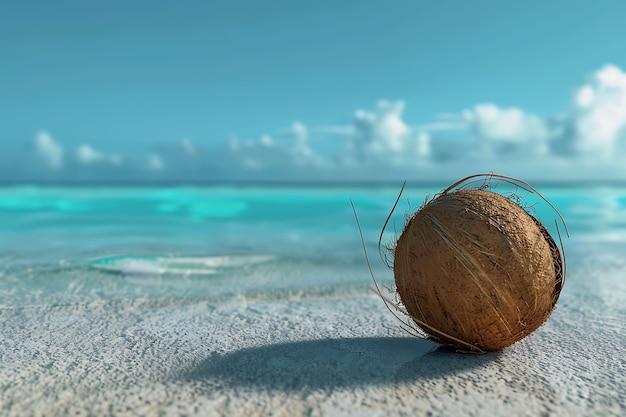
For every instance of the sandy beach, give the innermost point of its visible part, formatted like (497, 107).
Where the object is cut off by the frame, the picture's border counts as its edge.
(336, 355)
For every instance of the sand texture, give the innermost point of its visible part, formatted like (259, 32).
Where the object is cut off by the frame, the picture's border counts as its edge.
(335, 355)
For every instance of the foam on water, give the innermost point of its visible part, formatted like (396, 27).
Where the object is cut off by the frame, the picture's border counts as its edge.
(151, 265)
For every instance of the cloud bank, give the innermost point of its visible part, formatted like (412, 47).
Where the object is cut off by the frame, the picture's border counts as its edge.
(585, 140)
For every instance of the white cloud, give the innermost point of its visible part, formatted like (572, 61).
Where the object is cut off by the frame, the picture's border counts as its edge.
(299, 147)
(276, 157)
(155, 163)
(249, 154)
(87, 155)
(383, 130)
(382, 137)
(594, 125)
(496, 131)
(49, 150)
(443, 125)
(585, 96)
(423, 145)
(484, 137)
(597, 122)
(266, 140)
(588, 139)
(188, 147)
(510, 125)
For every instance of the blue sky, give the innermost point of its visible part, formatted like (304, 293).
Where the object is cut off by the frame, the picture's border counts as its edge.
(311, 90)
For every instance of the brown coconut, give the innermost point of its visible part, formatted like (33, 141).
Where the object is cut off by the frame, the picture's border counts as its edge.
(475, 271)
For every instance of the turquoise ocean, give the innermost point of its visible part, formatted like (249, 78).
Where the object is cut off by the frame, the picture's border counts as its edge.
(239, 230)
(107, 291)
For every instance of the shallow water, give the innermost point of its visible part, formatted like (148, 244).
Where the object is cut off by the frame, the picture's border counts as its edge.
(71, 222)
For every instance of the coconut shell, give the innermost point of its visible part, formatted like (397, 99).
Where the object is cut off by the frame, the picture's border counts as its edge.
(475, 271)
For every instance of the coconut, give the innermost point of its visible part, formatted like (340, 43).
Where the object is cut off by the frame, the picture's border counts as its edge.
(475, 271)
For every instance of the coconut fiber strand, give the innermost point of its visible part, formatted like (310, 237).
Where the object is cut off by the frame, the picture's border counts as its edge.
(475, 271)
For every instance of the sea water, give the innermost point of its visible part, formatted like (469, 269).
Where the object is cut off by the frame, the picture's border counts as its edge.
(177, 242)
(242, 238)
(251, 300)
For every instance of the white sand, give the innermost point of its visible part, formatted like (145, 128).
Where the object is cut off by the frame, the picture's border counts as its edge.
(336, 356)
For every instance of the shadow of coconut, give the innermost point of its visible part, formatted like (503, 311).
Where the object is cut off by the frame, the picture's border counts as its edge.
(443, 361)
(332, 363)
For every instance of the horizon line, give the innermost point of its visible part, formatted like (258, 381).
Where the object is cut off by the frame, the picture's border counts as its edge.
(290, 183)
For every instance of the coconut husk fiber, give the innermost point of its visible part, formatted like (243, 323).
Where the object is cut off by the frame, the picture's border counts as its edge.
(475, 271)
